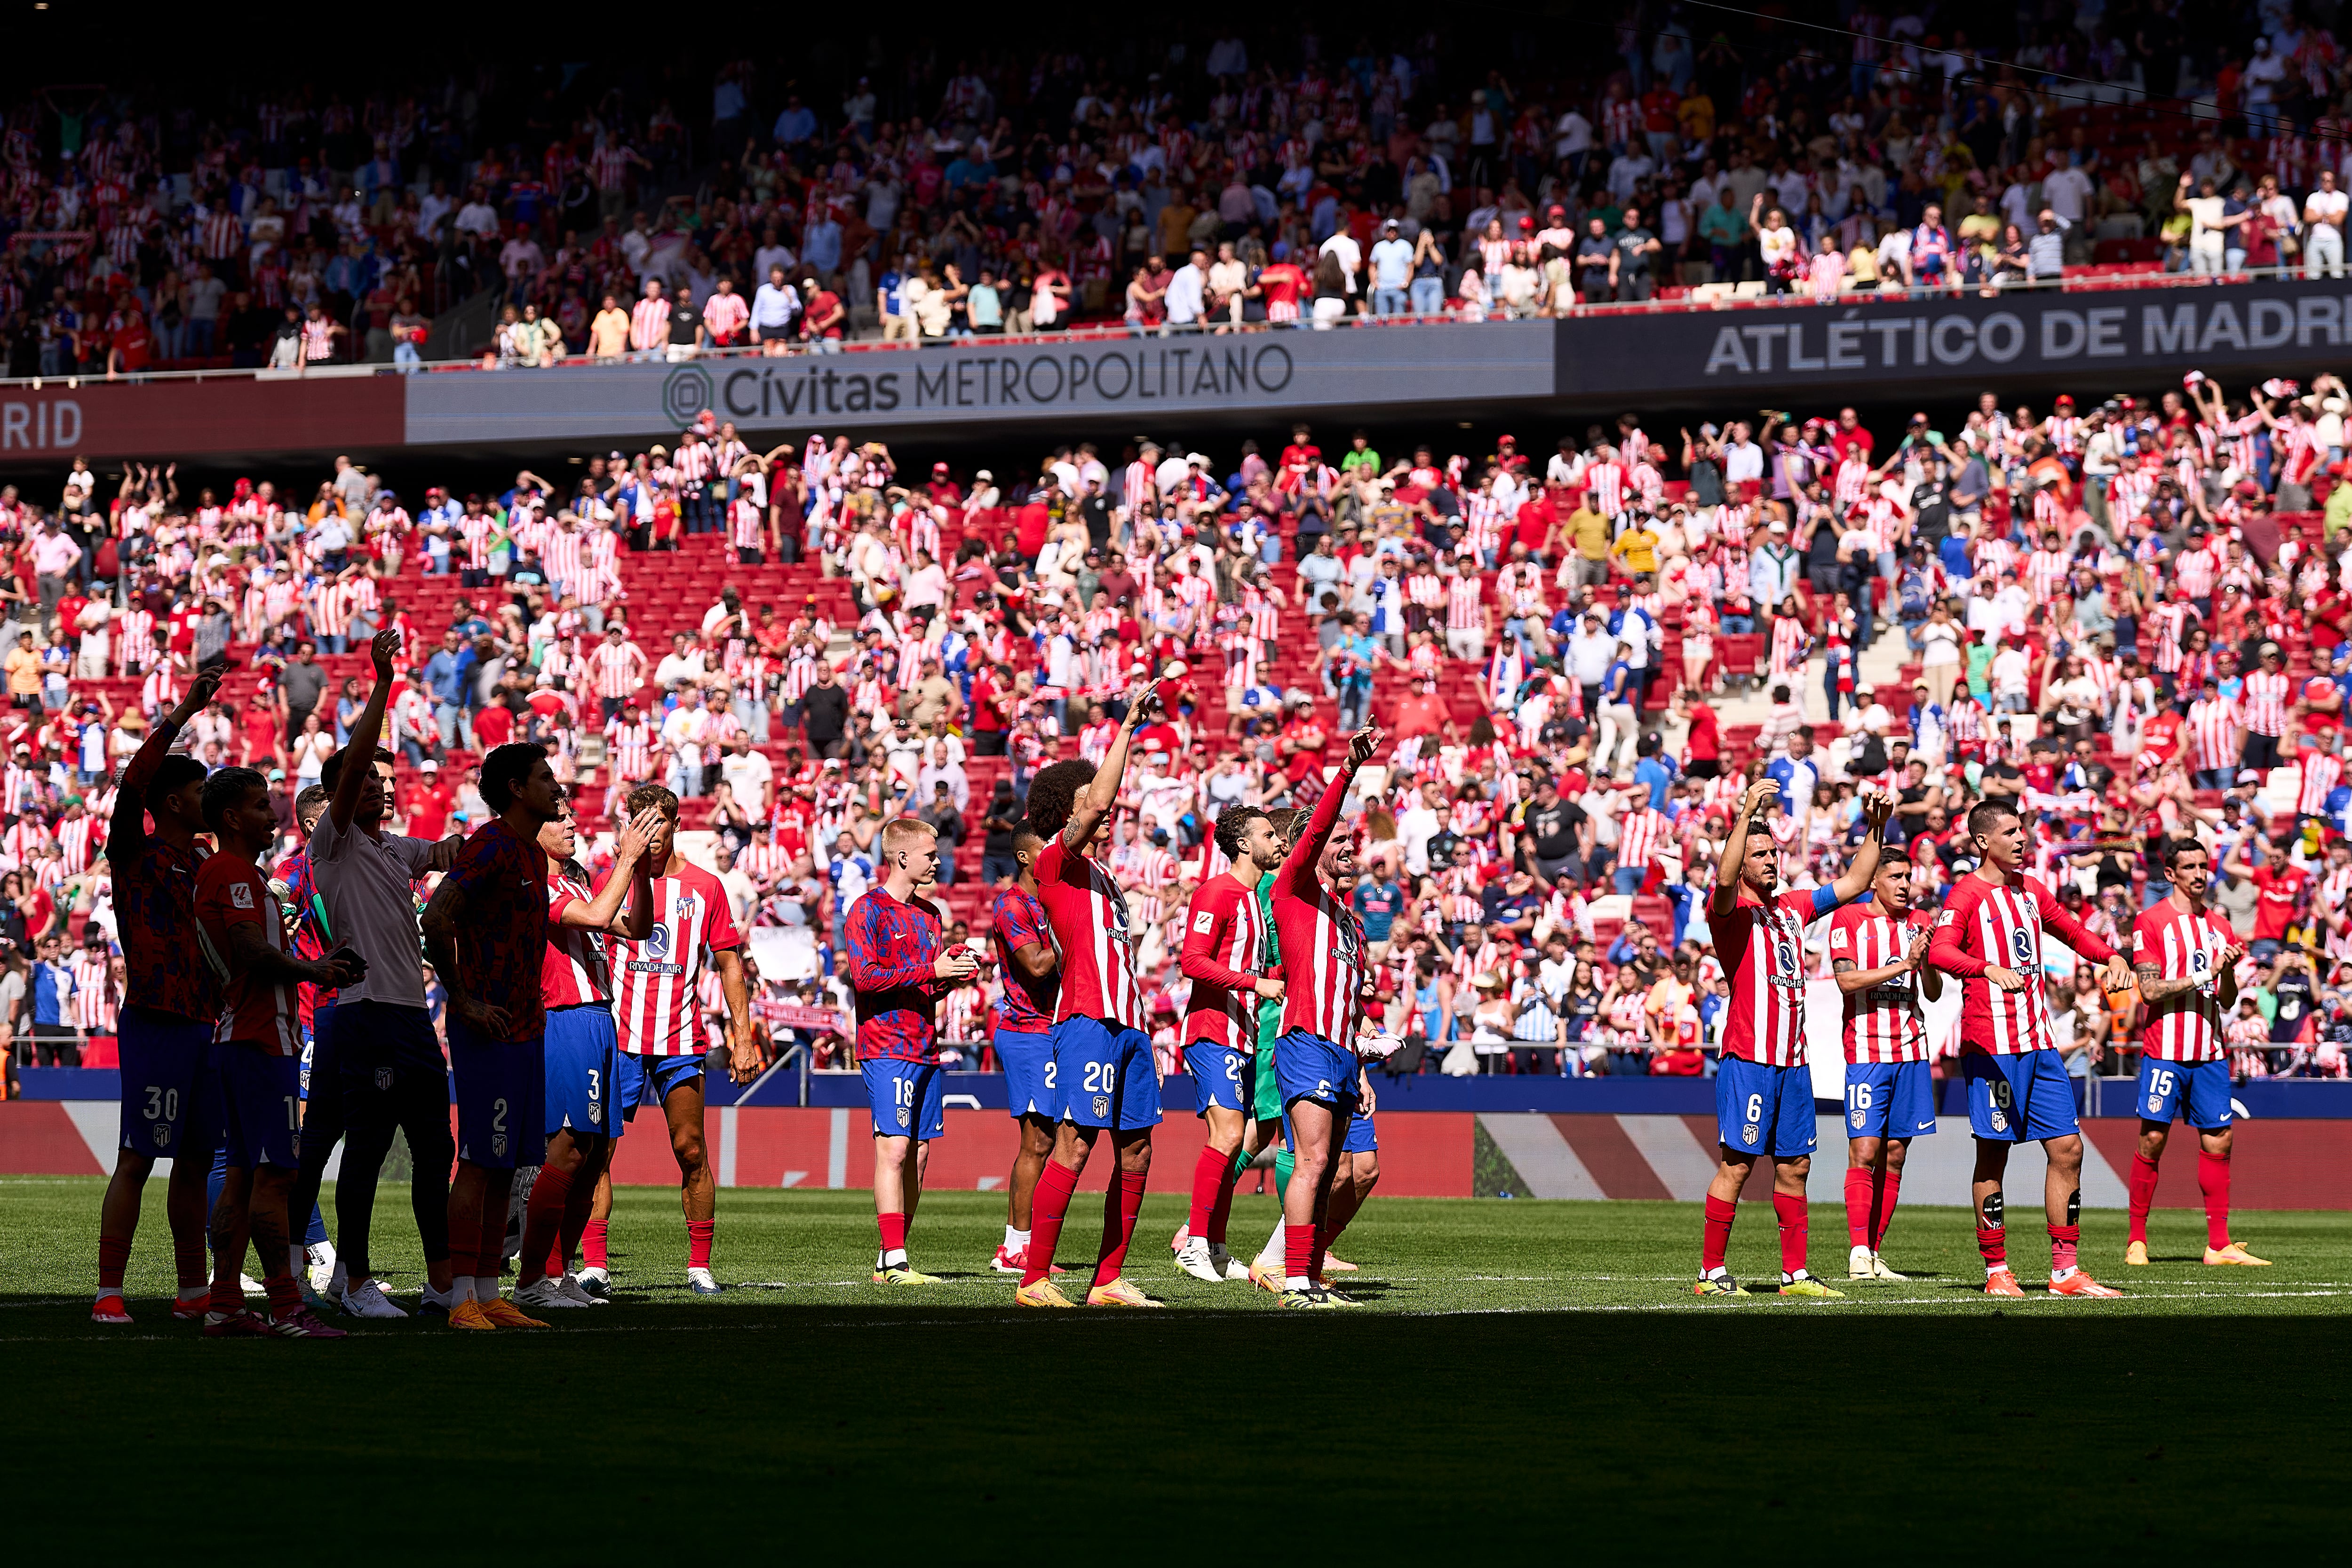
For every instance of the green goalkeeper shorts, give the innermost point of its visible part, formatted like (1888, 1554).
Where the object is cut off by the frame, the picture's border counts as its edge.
(1266, 1093)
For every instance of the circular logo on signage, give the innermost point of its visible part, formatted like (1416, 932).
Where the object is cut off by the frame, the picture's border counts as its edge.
(685, 393)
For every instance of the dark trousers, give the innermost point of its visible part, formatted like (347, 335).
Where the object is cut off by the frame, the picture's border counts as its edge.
(386, 1089)
(56, 1045)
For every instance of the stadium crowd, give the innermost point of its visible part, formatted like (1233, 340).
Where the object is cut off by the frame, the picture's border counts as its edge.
(2129, 620)
(1218, 180)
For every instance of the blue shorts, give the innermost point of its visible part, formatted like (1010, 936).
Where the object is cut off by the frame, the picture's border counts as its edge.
(648, 1080)
(1889, 1100)
(1764, 1109)
(162, 1078)
(2019, 1098)
(1102, 1075)
(1361, 1138)
(260, 1110)
(1025, 1055)
(1308, 1067)
(501, 1087)
(583, 1071)
(1220, 1076)
(908, 1098)
(319, 1056)
(2197, 1092)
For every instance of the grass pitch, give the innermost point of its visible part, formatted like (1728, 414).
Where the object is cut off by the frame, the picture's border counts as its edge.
(1530, 1377)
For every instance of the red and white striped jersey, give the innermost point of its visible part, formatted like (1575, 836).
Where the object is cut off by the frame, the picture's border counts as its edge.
(1983, 923)
(1762, 949)
(1322, 941)
(1462, 602)
(2266, 695)
(1640, 834)
(74, 843)
(654, 981)
(630, 742)
(97, 1006)
(1604, 488)
(1088, 914)
(578, 969)
(1883, 1023)
(2197, 570)
(2321, 773)
(2214, 724)
(2182, 945)
(1222, 934)
(2045, 574)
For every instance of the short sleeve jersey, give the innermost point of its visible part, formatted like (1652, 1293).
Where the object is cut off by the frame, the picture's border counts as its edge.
(1883, 1023)
(501, 943)
(1762, 949)
(579, 968)
(1087, 911)
(654, 981)
(2187, 1024)
(255, 1010)
(1017, 919)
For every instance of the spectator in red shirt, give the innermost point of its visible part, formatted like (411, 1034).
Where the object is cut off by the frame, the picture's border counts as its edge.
(1421, 713)
(2278, 889)
(429, 803)
(1703, 749)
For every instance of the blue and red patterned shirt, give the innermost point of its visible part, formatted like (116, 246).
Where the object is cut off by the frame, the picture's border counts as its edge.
(1016, 920)
(502, 941)
(888, 951)
(155, 901)
(309, 926)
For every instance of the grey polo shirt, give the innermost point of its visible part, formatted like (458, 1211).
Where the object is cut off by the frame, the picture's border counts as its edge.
(370, 907)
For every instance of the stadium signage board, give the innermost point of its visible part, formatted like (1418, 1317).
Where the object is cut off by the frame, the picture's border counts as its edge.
(2094, 339)
(975, 382)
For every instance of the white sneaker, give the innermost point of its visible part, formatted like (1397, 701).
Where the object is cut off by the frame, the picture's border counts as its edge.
(322, 1260)
(251, 1286)
(579, 1298)
(1857, 1263)
(545, 1293)
(1197, 1261)
(1233, 1267)
(595, 1280)
(1879, 1271)
(429, 1300)
(368, 1302)
(699, 1281)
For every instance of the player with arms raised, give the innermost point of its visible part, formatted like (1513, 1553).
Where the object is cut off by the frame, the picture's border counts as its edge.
(583, 1047)
(2187, 961)
(1223, 942)
(1764, 1092)
(896, 963)
(656, 986)
(1990, 934)
(1101, 1075)
(256, 1058)
(170, 1004)
(1323, 952)
(1879, 951)
(1024, 939)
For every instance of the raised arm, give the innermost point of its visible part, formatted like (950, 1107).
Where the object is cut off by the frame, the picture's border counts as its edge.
(126, 834)
(365, 729)
(1094, 801)
(1876, 805)
(1726, 894)
(632, 872)
(1297, 874)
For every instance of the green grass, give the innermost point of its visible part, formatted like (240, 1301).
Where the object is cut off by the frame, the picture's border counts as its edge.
(1531, 1375)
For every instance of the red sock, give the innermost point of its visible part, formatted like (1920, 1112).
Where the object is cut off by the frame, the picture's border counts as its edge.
(1208, 1177)
(113, 1253)
(2063, 1239)
(893, 1227)
(285, 1296)
(188, 1261)
(1122, 1201)
(1223, 1211)
(490, 1251)
(1719, 1215)
(1858, 1188)
(1887, 1191)
(2143, 1192)
(591, 1242)
(1298, 1251)
(1789, 1207)
(228, 1294)
(462, 1261)
(543, 1224)
(2214, 1181)
(698, 1242)
(1049, 1206)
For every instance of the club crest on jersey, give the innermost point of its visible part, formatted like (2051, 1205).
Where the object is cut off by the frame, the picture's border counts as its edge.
(1747, 1133)
(905, 1117)
(383, 1076)
(1102, 1104)
(2156, 1102)
(1859, 1117)
(498, 1143)
(162, 1133)
(2000, 1123)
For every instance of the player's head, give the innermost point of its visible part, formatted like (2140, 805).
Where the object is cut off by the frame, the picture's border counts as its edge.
(657, 798)
(375, 794)
(1337, 864)
(1891, 886)
(1285, 822)
(176, 793)
(1026, 847)
(1997, 833)
(309, 806)
(1054, 793)
(911, 845)
(560, 834)
(236, 809)
(1248, 830)
(516, 774)
(2189, 864)
(1760, 869)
